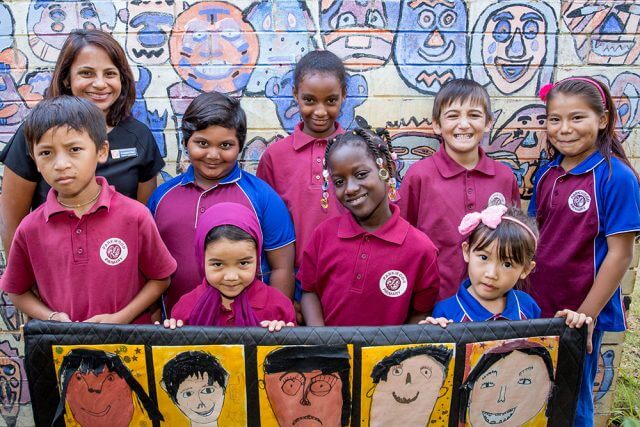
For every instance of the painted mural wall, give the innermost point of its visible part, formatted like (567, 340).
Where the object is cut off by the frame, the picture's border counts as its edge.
(398, 54)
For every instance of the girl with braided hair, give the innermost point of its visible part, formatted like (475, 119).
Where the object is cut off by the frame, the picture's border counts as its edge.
(367, 267)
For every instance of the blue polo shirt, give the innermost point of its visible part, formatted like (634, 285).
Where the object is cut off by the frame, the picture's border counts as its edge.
(463, 307)
(177, 204)
(576, 211)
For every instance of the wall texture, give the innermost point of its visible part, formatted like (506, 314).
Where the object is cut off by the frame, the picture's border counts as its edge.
(398, 54)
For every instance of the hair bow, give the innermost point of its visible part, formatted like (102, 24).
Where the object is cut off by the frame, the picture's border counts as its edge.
(544, 91)
(491, 217)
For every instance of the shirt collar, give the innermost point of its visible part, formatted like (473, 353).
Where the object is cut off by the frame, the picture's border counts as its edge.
(301, 139)
(587, 165)
(394, 230)
(189, 177)
(476, 311)
(52, 206)
(449, 168)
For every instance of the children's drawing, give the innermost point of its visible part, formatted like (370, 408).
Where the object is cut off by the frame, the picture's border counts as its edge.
(306, 385)
(14, 391)
(140, 111)
(7, 24)
(509, 383)
(430, 47)
(103, 385)
(410, 386)
(413, 140)
(147, 33)
(516, 43)
(604, 32)
(201, 386)
(625, 90)
(605, 374)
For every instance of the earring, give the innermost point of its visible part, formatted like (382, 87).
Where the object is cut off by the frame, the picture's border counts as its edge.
(324, 201)
(383, 174)
(393, 194)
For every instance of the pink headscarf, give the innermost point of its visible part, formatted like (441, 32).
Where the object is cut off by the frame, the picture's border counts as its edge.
(206, 310)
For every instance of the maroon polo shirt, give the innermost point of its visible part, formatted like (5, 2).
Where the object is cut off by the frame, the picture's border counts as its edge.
(267, 303)
(293, 167)
(370, 278)
(90, 265)
(437, 192)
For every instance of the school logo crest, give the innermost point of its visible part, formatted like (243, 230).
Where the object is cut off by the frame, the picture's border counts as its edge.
(113, 251)
(579, 201)
(393, 283)
(497, 198)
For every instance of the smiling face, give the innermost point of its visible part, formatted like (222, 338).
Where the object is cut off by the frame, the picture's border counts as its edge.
(93, 76)
(200, 399)
(215, 49)
(148, 26)
(358, 186)
(319, 98)
(213, 152)
(409, 393)
(511, 392)
(100, 400)
(305, 399)
(230, 266)
(573, 127)
(514, 46)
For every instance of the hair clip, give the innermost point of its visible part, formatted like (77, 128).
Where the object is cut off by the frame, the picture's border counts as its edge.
(379, 162)
(394, 156)
(393, 194)
(544, 91)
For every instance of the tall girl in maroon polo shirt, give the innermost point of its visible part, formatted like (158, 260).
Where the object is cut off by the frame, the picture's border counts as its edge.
(368, 267)
(228, 245)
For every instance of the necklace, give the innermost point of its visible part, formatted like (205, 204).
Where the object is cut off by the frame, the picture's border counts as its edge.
(81, 204)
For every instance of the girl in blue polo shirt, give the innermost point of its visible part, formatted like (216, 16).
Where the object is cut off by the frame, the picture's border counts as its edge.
(589, 188)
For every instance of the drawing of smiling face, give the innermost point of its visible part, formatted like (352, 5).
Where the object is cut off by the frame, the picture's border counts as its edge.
(513, 46)
(409, 394)
(511, 392)
(148, 26)
(100, 400)
(200, 401)
(604, 32)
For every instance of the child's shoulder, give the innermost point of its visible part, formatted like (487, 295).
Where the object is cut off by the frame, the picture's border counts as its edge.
(162, 190)
(282, 144)
(423, 168)
(417, 239)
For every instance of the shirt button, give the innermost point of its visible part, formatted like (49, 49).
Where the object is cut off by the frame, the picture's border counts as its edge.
(469, 207)
(469, 190)
(202, 210)
(317, 177)
(359, 276)
(318, 160)
(78, 230)
(366, 238)
(80, 250)
(561, 180)
(363, 256)
(555, 193)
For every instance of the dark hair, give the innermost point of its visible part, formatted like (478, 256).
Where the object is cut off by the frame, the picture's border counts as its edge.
(320, 62)
(515, 244)
(608, 141)
(78, 39)
(214, 109)
(188, 364)
(78, 114)
(96, 361)
(229, 232)
(440, 354)
(495, 355)
(327, 359)
(461, 90)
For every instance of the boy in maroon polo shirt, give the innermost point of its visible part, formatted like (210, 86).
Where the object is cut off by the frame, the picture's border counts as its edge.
(437, 192)
(95, 254)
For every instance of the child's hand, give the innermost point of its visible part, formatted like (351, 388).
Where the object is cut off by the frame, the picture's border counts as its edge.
(274, 325)
(435, 321)
(573, 318)
(171, 323)
(60, 317)
(104, 318)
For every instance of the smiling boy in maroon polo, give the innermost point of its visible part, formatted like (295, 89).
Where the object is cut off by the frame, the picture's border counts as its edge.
(95, 254)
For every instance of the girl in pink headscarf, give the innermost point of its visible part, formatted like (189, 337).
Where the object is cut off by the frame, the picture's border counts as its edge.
(228, 245)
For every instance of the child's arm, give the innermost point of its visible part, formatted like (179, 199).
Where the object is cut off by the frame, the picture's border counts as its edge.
(151, 291)
(613, 268)
(312, 309)
(281, 263)
(33, 307)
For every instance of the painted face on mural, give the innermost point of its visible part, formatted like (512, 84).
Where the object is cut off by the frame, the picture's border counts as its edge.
(359, 32)
(10, 387)
(148, 26)
(212, 48)
(200, 401)
(285, 31)
(604, 32)
(100, 400)
(11, 112)
(513, 46)
(305, 398)
(6, 27)
(409, 393)
(436, 53)
(49, 23)
(625, 91)
(524, 137)
(513, 391)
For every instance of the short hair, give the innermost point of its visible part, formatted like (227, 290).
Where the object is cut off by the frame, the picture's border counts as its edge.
(192, 363)
(76, 113)
(440, 354)
(96, 361)
(77, 40)
(461, 90)
(321, 62)
(214, 109)
(325, 358)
